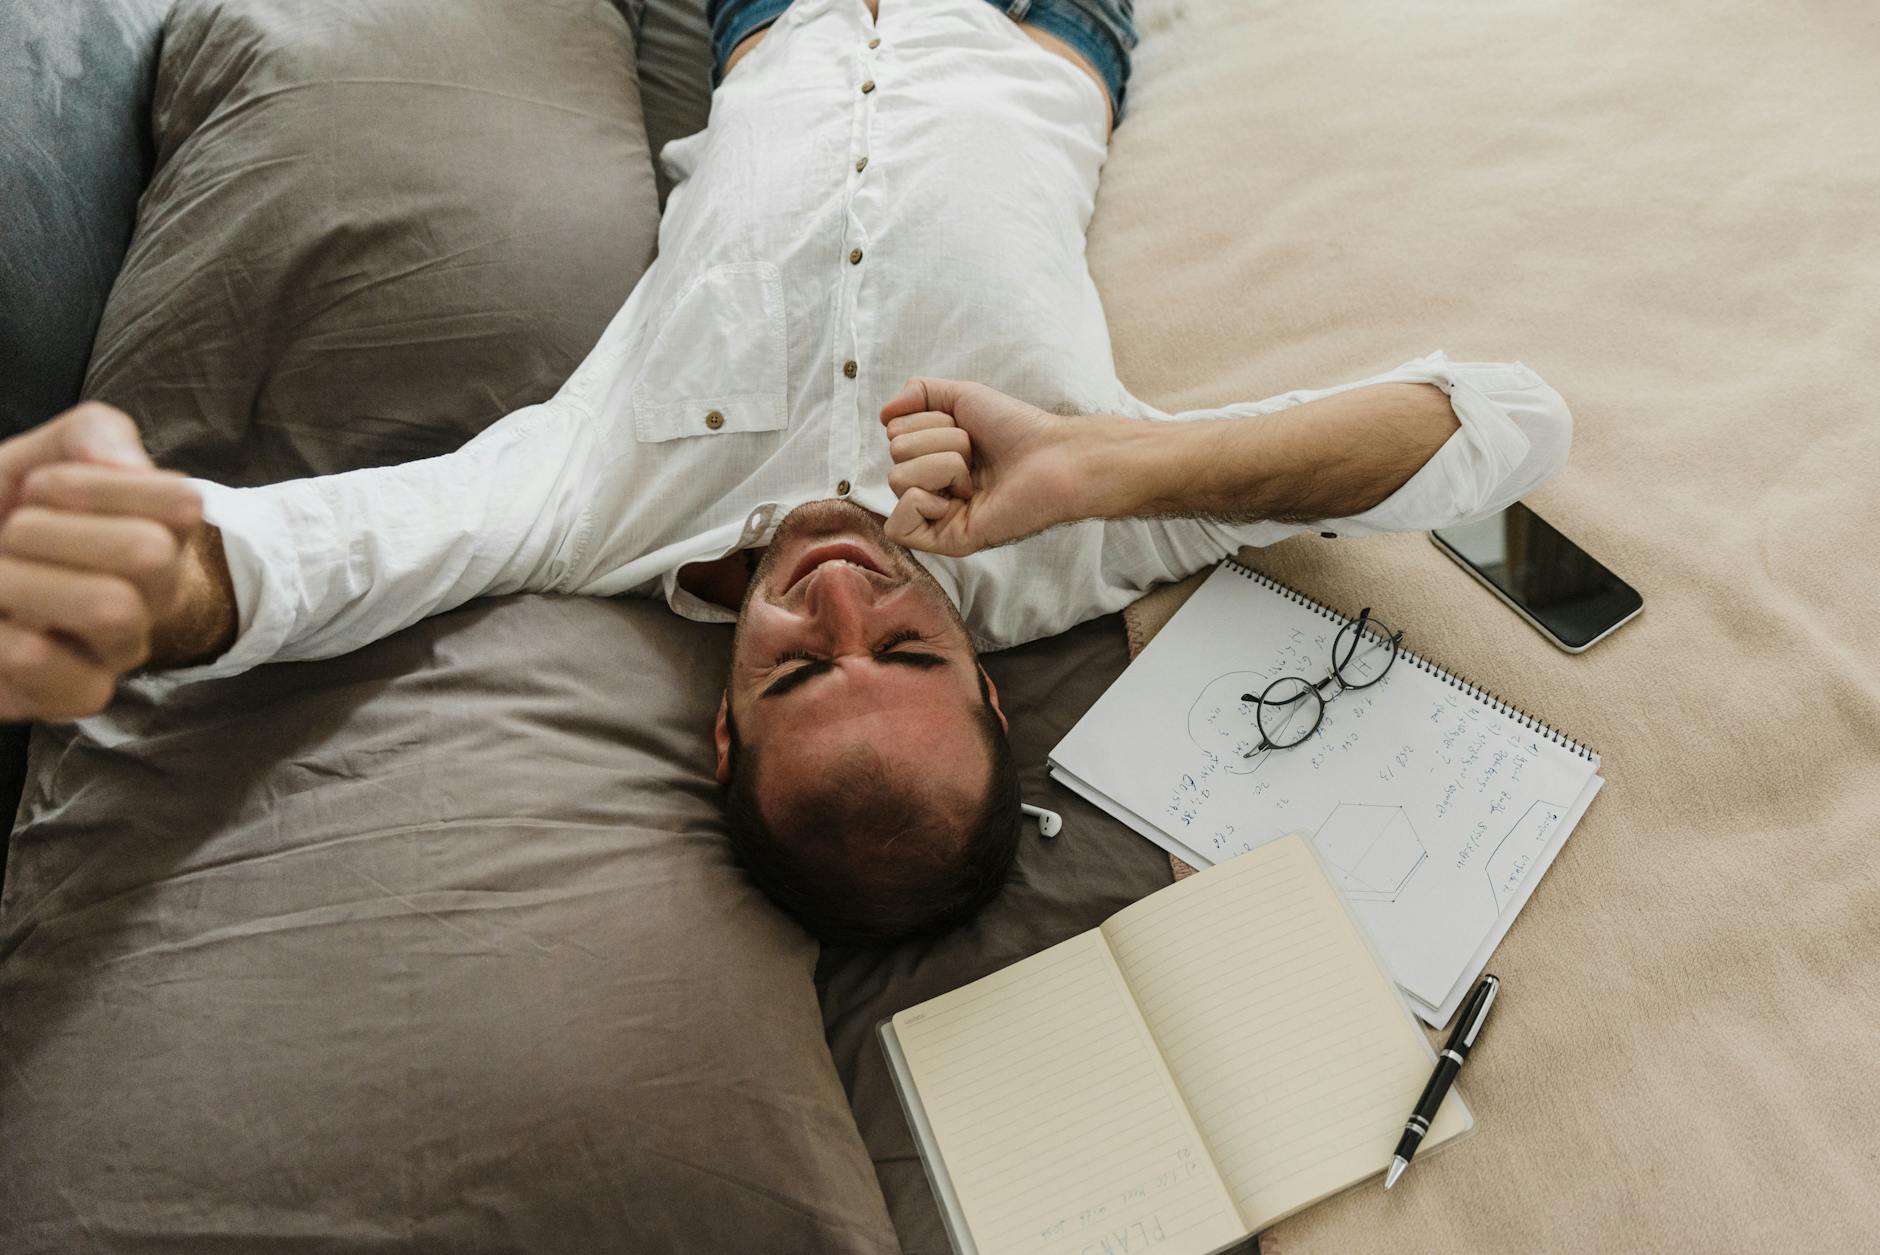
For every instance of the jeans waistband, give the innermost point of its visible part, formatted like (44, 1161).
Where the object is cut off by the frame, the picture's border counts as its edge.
(1103, 32)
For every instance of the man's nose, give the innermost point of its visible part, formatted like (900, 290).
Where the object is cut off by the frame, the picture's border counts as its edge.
(839, 598)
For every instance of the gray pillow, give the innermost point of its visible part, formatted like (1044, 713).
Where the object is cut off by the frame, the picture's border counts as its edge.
(435, 947)
(675, 74)
(374, 227)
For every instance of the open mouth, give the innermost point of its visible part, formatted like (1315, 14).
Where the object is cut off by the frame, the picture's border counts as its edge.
(836, 551)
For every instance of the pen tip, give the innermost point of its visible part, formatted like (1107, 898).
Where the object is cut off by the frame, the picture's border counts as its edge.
(1397, 1165)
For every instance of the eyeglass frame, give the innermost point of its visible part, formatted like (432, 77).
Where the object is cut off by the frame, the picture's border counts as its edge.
(1356, 626)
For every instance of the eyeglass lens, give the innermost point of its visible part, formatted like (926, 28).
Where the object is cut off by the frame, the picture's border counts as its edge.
(1363, 651)
(1289, 711)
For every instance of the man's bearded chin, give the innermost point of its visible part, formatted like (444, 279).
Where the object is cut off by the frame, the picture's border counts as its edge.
(817, 521)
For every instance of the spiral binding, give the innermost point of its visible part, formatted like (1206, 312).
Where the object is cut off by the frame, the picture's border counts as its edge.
(1459, 683)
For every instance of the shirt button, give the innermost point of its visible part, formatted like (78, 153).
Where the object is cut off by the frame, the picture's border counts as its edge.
(861, 164)
(714, 420)
(855, 257)
(875, 42)
(842, 488)
(848, 368)
(868, 86)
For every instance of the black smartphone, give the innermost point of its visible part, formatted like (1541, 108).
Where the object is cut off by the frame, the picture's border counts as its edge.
(1549, 581)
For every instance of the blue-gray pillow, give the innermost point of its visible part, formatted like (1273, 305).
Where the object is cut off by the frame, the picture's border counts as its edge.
(75, 81)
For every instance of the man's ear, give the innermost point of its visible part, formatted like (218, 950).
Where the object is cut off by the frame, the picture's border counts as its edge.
(722, 736)
(992, 695)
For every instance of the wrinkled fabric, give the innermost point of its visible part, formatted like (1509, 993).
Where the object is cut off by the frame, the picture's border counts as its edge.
(438, 947)
(357, 251)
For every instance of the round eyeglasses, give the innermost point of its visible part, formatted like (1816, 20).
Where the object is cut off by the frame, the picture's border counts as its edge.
(1291, 708)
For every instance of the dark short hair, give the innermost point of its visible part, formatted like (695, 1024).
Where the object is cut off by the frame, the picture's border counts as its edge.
(869, 888)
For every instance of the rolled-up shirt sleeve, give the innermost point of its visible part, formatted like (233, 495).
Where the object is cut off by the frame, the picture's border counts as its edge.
(1513, 437)
(324, 566)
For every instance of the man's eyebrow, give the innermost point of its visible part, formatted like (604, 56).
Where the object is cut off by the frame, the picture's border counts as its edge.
(920, 661)
(792, 679)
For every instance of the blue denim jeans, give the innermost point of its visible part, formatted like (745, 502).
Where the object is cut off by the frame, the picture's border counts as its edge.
(1102, 31)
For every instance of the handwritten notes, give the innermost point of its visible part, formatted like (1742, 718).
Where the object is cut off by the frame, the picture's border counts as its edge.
(1432, 807)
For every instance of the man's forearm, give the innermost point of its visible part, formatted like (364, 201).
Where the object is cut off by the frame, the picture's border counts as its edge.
(201, 625)
(1331, 458)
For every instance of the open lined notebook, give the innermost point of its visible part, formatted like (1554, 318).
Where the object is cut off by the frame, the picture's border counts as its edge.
(1436, 805)
(1213, 1058)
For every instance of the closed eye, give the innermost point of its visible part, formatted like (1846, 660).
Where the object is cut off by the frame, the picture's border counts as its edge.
(901, 637)
(796, 677)
(912, 658)
(885, 654)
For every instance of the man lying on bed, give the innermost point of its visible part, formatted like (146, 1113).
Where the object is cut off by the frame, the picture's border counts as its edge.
(877, 195)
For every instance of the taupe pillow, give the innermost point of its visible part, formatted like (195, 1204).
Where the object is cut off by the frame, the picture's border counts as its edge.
(375, 226)
(436, 947)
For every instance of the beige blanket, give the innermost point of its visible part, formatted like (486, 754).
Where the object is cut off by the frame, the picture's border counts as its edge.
(1673, 213)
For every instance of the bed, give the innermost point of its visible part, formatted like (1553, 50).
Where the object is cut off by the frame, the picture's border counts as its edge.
(438, 946)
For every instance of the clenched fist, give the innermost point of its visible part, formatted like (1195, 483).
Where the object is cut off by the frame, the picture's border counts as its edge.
(93, 540)
(975, 468)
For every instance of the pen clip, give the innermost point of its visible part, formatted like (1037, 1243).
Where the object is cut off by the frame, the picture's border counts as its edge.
(1491, 986)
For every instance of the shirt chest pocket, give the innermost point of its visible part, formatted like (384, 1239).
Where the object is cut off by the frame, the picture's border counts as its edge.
(718, 363)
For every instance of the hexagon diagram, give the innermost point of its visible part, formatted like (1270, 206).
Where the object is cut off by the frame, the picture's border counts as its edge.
(1374, 851)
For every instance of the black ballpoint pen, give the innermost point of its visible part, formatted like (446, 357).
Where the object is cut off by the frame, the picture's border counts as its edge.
(1455, 1054)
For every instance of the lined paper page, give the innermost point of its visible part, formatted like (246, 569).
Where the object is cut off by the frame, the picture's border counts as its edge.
(1059, 1126)
(1291, 1047)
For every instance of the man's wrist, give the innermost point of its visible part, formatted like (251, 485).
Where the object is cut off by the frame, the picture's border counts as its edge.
(203, 622)
(1134, 468)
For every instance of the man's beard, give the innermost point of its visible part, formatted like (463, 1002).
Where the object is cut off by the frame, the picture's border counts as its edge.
(835, 517)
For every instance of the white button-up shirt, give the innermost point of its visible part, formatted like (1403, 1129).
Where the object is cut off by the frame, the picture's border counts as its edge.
(856, 212)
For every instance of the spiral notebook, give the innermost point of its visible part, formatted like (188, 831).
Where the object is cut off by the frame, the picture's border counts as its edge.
(1436, 805)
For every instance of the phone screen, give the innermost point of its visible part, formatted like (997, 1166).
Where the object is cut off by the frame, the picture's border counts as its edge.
(1553, 580)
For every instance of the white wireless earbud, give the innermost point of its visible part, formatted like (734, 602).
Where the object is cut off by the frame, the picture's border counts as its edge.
(1050, 823)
